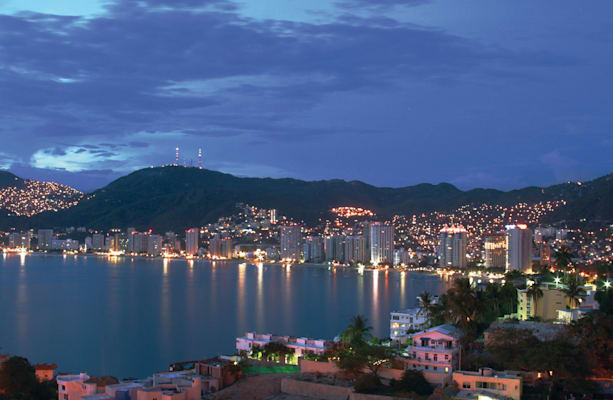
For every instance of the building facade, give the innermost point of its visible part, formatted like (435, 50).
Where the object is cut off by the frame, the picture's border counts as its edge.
(434, 350)
(452, 247)
(495, 250)
(381, 243)
(519, 248)
(192, 241)
(403, 322)
(488, 383)
(291, 242)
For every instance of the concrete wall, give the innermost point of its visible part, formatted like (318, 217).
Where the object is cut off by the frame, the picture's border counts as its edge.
(315, 390)
(327, 392)
(331, 368)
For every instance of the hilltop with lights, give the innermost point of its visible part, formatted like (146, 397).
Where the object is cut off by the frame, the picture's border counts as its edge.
(174, 198)
(26, 197)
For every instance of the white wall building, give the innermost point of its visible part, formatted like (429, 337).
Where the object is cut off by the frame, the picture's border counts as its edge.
(452, 247)
(300, 345)
(519, 248)
(381, 243)
(403, 321)
(291, 241)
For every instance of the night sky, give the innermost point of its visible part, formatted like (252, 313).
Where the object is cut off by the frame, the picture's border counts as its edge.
(477, 93)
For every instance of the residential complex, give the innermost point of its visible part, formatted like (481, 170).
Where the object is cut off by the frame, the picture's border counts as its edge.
(495, 250)
(403, 323)
(434, 350)
(452, 247)
(300, 345)
(488, 383)
(519, 248)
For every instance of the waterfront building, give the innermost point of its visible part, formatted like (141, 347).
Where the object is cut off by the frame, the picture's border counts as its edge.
(220, 247)
(45, 239)
(88, 243)
(401, 257)
(154, 245)
(121, 241)
(356, 249)
(192, 239)
(19, 240)
(334, 248)
(98, 241)
(381, 243)
(452, 247)
(291, 239)
(300, 345)
(434, 350)
(519, 248)
(402, 323)
(139, 242)
(545, 307)
(313, 249)
(495, 250)
(487, 383)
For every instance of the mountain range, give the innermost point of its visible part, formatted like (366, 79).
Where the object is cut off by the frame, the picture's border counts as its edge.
(173, 198)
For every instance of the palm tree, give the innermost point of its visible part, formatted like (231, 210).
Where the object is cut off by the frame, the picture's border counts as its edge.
(574, 292)
(535, 293)
(462, 303)
(563, 257)
(425, 305)
(357, 333)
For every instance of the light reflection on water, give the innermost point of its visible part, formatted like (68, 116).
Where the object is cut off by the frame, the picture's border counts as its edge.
(131, 317)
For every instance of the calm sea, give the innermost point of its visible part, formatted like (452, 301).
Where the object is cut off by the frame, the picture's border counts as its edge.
(131, 317)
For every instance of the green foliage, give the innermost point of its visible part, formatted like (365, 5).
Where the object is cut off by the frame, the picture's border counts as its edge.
(595, 335)
(367, 383)
(573, 290)
(414, 381)
(18, 381)
(357, 333)
(604, 298)
(276, 351)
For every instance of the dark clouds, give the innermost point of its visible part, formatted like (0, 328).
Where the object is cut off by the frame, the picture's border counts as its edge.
(123, 88)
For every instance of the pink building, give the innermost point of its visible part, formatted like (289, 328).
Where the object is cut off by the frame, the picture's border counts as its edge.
(300, 345)
(488, 383)
(434, 350)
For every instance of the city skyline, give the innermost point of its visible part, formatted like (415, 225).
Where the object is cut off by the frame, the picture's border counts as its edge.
(98, 89)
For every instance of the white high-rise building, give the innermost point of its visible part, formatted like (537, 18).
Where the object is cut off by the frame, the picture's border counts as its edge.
(291, 240)
(273, 216)
(452, 247)
(519, 248)
(192, 237)
(381, 243)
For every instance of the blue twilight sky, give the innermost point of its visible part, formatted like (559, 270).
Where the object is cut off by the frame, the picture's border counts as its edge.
(483, 93)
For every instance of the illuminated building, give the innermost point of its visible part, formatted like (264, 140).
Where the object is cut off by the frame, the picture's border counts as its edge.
(488, 384)
(45, 238)
(334, 247)
(545, 253)
(545, 307)
(356, 249)
(401, 257)
(495, 250)
(120, 242)
(291, 239)
(313, 249)
(519, 248)
(381, 243)
(273, 216)
(403, 321)
(192, 237)
(452, 247)
(19, 240)
(220, 247)
(98, 241)
(154, 245)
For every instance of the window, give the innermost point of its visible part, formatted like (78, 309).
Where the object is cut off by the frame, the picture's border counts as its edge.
(436, 357)
(395, 318)
(466, 385)
(446, 357)
(65, 396)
